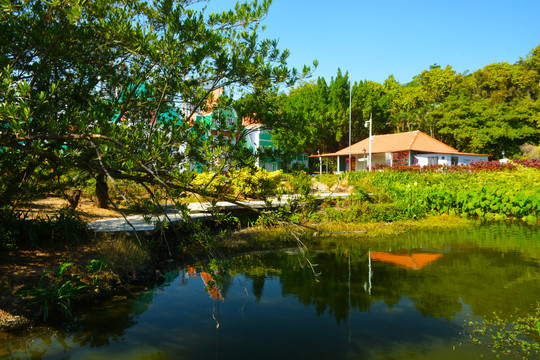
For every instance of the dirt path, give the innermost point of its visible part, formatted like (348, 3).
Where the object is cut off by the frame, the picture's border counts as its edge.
(87, 209)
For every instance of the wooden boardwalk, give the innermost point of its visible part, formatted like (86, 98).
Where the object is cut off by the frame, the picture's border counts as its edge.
(198, 211)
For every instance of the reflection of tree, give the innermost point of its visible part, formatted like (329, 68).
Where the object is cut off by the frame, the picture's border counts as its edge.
(97, 328)
(331, 292)
(35, 348)
(486, 279)
(109, 323)
(257, 282)
(438, 305)
(387, 284)
(225, 284)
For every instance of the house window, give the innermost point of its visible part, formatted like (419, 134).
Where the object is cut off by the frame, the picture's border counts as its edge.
(433, 160)
(454, 160)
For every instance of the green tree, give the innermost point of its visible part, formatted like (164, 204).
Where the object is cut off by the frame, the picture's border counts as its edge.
(338, 107)
(106, 89)
(489, 111)
(315, 116)
(492, 110)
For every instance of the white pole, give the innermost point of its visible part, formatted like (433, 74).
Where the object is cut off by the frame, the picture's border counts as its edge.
(320, 163)
(350, 112)
(327, 170)
(370, 121)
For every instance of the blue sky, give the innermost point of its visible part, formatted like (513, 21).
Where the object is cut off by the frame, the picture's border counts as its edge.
(374, 39)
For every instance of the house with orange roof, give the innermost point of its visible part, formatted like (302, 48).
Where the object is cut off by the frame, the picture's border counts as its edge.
(259, 138)
(212, 117)
(408, 148)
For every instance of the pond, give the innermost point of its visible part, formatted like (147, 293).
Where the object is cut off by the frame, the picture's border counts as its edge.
(405, 297)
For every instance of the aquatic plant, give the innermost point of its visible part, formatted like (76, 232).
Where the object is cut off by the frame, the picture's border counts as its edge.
(515, 335)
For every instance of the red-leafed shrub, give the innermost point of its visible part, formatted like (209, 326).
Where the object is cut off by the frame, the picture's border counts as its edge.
(380, 166)
(472, 167)
(530, 163)
(495, 165)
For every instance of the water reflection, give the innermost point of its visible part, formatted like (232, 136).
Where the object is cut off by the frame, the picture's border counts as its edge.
(406, 296)
(410, 261)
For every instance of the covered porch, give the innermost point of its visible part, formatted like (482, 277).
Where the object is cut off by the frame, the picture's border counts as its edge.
(360, 162)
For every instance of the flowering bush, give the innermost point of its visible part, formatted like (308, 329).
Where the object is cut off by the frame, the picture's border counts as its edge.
(472, 167)
(530, 163)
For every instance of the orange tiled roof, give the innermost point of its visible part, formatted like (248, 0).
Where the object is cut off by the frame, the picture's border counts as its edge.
(412, 140)
(249, 121)
(210, 104)
(212, 101)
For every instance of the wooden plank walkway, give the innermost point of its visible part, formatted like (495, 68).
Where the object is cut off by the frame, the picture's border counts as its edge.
(198, 211)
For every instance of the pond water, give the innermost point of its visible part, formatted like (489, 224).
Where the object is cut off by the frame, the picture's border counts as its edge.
(405, 297)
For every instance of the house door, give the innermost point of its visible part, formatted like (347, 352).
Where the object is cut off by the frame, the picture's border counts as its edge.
(350, 166)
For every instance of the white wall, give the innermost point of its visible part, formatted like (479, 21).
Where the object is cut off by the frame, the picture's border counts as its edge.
(446, 159)
(253, 136)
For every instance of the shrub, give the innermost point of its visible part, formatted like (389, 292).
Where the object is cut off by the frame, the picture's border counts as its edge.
(211, 183)
(17, 229)
(255, 183)
(482, 193)
(384, 212)
(530, 163)
(58, 295)
(472, 167)
(246, 182)
(299, 182)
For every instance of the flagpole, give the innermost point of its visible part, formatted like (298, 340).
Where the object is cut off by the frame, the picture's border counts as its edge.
(370, 137)
(350, 112)
(370, 121)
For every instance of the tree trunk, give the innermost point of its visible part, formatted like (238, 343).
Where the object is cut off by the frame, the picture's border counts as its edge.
(73, 198)
(102, 191)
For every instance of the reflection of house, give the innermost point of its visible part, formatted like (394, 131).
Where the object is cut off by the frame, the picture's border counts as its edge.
(259, 140)
(408, 148)
(209, 283)
(413, 261)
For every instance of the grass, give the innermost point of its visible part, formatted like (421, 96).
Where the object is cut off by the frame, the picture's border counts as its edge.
(376, 229)
(274, 237)
(123, 255)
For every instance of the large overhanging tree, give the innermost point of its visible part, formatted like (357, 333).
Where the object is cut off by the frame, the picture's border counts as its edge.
(105, 89)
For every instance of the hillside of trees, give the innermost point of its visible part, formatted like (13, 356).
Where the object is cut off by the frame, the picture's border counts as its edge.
(491, 110)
